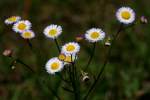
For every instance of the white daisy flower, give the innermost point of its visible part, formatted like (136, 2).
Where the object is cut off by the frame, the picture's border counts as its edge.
(28, 34)
(12, 19)
(125, 15)
(54, 65)
(52, 31)
(70, 48)
(22, 26)
(94, 35)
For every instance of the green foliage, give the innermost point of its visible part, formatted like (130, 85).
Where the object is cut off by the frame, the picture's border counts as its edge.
(127, 73)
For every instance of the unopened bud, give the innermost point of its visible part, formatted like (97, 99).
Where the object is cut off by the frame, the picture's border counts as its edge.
(143, 20)
(13, 67)
(61, 57)
(79, 37)
(7, 52)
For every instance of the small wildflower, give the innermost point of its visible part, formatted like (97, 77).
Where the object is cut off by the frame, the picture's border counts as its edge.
(12, 20)
(52, 31)
(54, 65)
(7, 52)
(71, 48)
(125, 15)
(28, 34)
(22, 26)
(143, 20)
(94, 35)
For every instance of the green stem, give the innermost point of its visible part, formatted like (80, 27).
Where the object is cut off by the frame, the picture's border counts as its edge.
(58, 47)
(91, 57)
(28, 67)
(105, 63)
(49, 88)
(74, 72)
(29, 43)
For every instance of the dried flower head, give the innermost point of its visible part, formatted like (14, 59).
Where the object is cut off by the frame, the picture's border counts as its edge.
(108, 41)
(79, 37)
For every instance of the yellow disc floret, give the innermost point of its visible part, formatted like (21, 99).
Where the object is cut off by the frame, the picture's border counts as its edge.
(68, 59)
(95, 35)
(61, 57)
(52, 32)
(12, 19)
(126, 15)
(54, 66)
(22, 26)
(70, 48)
(27, 34)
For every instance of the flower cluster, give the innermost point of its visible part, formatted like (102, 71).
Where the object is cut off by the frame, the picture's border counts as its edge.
(68, 55)
(21, 26)
(69, 51)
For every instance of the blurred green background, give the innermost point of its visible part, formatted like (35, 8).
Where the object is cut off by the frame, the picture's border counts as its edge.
(127, 76)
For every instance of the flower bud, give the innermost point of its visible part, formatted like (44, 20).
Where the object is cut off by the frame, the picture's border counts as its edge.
(143, 20)
(7, 52)
(79, 37)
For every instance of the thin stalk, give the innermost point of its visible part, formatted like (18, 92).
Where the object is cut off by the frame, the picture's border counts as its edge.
(76, 91)
(28, 67)
(62, 78)
(68, 90)
(29, 44)
(105, 62)
(91, 56)
(50, 89)
(58, 47)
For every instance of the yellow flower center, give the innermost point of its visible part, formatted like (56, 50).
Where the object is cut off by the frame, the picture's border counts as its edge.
(52, 32)
(54, 66)
(62, 57)
(95, 35)
(22, 26)
(68, 59)
(126, 15)
(70, 48)
(27, 34)
(12, 19)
